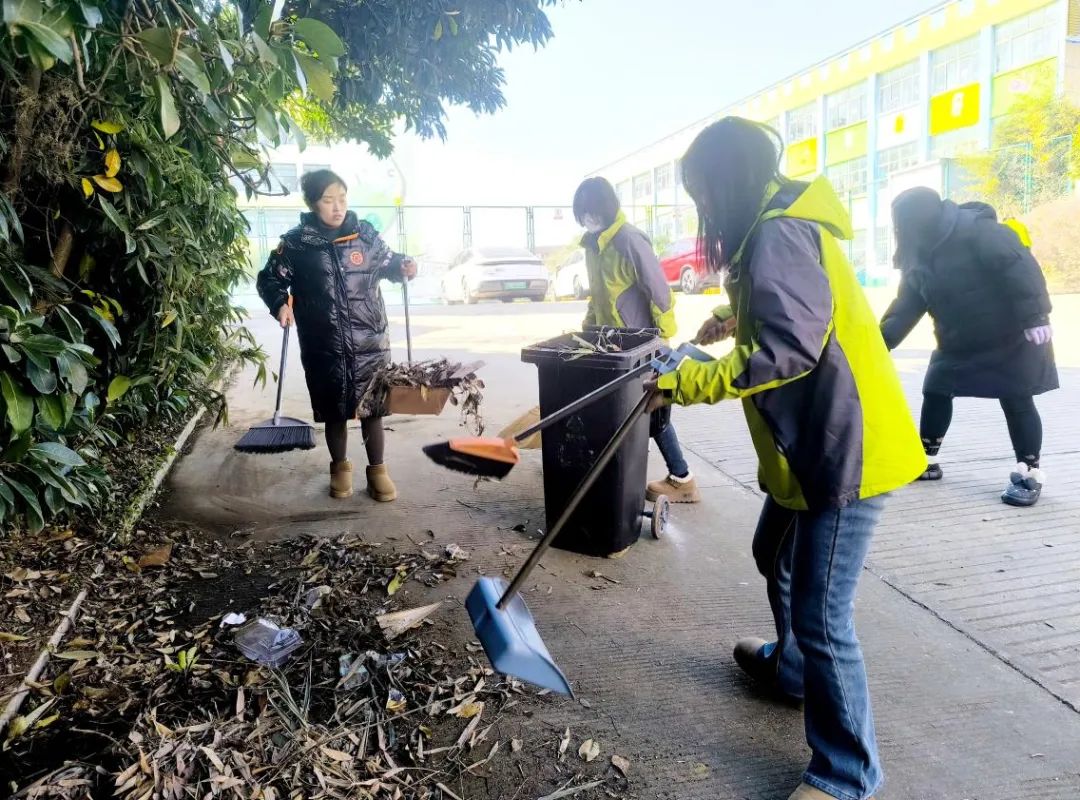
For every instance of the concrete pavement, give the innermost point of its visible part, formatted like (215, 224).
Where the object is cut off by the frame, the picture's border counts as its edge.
(975, 693)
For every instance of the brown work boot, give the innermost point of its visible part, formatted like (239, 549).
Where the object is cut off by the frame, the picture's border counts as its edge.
(808, 792)
(379, 485)
(677, 490)
(341, 479)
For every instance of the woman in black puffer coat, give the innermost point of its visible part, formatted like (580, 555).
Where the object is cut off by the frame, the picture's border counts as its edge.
(331, 264)
(987, 296)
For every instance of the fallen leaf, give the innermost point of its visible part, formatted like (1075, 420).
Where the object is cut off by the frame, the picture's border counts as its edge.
(469, 710)
(564, 743)
(78, 655)
(11, 637)
(21, 615)
(22, 575)
(397, 623)
(516, 745)
(156, 558)
(589, 750)
(621, 764)
(337, 755)
(396, 582)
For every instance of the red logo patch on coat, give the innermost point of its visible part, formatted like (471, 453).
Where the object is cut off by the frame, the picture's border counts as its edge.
(356, 258)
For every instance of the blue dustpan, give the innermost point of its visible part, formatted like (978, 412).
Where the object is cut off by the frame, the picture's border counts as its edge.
(510, 639)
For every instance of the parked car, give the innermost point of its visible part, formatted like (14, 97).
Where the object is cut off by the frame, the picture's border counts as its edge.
(572, 279)
(495, 273)
(684, 267)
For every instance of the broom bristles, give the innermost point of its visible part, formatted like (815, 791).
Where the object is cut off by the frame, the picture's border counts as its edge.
(477, 466)
(270, 438)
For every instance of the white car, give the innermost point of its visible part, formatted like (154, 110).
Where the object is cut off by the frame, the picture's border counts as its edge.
(572, 279)
(495, 273)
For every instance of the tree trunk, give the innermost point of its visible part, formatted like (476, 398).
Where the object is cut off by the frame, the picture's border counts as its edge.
(62, 252)
(24, 127)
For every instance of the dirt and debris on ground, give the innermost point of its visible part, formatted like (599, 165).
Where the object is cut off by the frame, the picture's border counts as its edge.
(150, 696)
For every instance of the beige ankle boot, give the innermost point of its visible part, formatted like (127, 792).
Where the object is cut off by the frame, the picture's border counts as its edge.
(379, 485)
(341, 484)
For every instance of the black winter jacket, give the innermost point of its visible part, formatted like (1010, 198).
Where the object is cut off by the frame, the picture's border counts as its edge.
(340, 315)
(983, 288)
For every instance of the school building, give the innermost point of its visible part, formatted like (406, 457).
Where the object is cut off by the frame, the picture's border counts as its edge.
(886, 114)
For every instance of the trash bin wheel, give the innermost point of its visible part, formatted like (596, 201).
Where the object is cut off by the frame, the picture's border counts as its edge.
(661, 513)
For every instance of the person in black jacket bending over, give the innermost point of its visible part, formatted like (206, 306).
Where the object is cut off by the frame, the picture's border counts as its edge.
(332, 263)
(991, 311)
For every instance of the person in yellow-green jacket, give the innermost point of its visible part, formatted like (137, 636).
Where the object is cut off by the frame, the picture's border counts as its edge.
(627, 289)
(832, 430)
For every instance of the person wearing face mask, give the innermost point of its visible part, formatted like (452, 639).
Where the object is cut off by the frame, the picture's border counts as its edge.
(987, 295)
(627, 289)
(331, 264)
(829, 422)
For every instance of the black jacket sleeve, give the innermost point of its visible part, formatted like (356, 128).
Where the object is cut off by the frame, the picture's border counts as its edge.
(274, 280)
(903, 313)
(384, 261)
(1017, 272)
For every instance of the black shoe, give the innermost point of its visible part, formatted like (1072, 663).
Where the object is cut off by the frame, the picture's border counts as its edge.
(751, 657)
(1025, 487)
(933, 473)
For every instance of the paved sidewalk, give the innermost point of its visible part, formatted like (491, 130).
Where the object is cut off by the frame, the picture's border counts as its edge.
(967, 699)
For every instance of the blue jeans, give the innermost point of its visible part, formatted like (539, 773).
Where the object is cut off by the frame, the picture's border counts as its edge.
(668, 443)
(811, 561)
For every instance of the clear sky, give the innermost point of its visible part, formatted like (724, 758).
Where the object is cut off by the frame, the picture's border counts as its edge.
(620, 74)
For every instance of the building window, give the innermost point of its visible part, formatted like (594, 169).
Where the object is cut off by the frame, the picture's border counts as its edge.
(315, 167)
(663, 179)
(848, 177)
(953, 144)
(643, 188)
(846, 107)
(954, 66)
(896, 159)
(898, 88)
(287, 176)
(802, 123)
(622, 191)
(1025, 40)
(857, 250)
(884, 245)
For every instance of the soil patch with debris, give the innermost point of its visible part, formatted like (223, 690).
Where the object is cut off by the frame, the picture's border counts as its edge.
(149, 696)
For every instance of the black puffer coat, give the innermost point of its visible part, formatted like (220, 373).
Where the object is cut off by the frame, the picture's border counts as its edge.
(983, 289)
(340, 315)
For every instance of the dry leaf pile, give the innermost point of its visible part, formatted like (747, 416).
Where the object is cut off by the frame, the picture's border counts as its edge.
(466, 388)
(153, 679)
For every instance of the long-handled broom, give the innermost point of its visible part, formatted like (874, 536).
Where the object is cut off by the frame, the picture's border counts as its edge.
(279, 434)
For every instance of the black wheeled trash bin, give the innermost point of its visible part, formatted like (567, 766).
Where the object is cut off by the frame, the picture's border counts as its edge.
(610, 518)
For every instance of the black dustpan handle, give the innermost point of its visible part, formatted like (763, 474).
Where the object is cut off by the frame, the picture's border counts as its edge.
(575, 499)
(585, 400)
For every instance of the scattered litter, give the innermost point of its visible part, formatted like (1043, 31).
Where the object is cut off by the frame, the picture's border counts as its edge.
(353, 672)
(265, 643)
(455, 553)
(396, 702)
(516, 745)
(314, 597)
(398, 622)
(156, 558)
(232, 619)
(621, 764)
(600, 576)
(564, 743)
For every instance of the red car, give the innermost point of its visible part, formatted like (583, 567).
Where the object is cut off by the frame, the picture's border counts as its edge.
(684, 267)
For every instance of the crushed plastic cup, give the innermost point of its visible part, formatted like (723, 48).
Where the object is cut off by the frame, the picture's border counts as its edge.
(353, 672)
(265, 643)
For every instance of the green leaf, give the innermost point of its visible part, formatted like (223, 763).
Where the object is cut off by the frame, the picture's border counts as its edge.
(263, 49)
(73, 371)
(170, 318)
(40, 55)
(151, 223)
(33, 508)
(118, 387)
(159, 43)
(438, 30)
(14, 356)
(45, 344)
(20, 407)
(112, 213)
(41, 379)
(6, 494)
(226, 57)
(320, 37)
(193, 70)
(17, 12)
(267, 125)
(9, 219)
(263, 20)
(453, 26)
(105, 126)
(91, 15)
(20, 292)
(107, 326)
(51, 410)
(17, 451)
(320, 81)
(91, 402)
(73, 326)
(59, 454)
(170, 119)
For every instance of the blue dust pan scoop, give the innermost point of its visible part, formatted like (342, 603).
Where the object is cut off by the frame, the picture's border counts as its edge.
(510, 639)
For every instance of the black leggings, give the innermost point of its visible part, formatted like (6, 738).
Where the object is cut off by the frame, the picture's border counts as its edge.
(1025, 425)
(337, 440)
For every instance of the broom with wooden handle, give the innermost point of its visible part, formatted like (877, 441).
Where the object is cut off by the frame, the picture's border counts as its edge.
(279, 434)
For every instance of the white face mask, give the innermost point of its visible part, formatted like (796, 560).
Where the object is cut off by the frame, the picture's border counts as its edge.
(592, 224)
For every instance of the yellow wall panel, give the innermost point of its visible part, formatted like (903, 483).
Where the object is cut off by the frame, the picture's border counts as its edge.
(802, 157)
(1009, 86)
(951, 111)
(846, 143)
